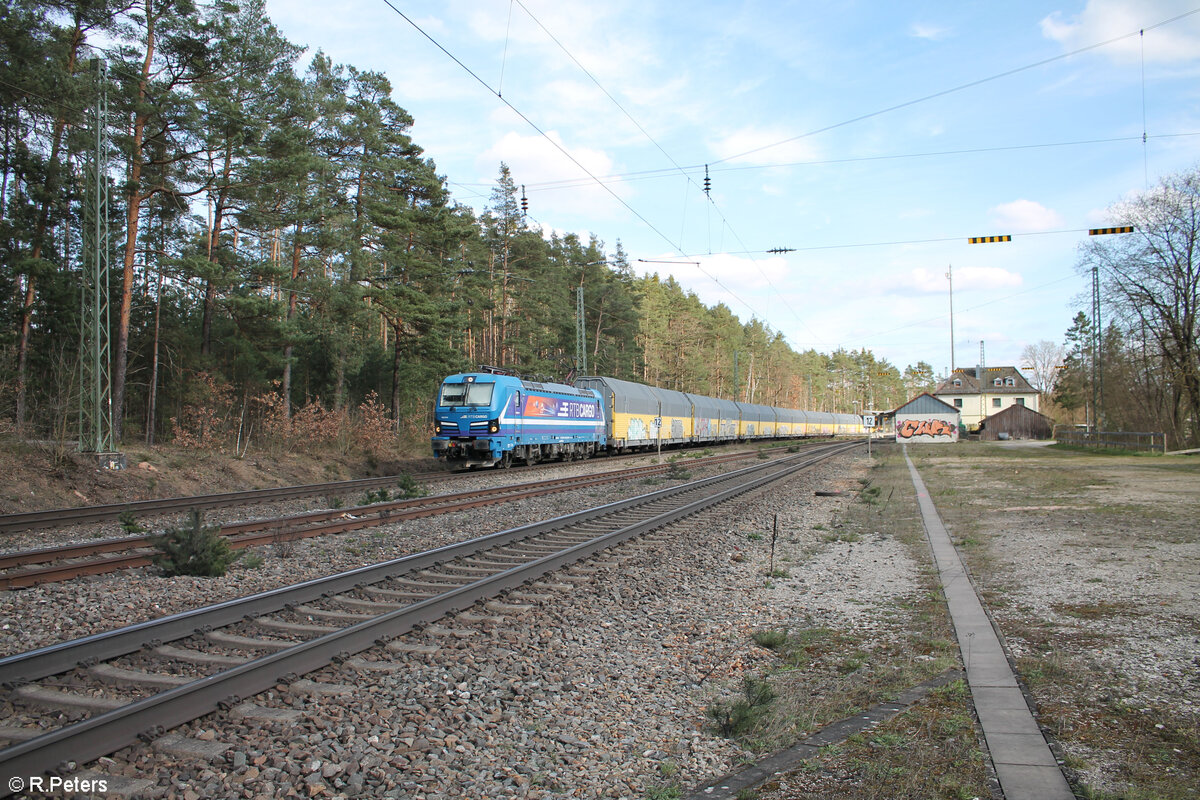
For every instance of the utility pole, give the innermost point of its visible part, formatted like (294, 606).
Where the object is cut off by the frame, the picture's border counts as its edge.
(950, 277)
(1097, 372)
(1097, 333)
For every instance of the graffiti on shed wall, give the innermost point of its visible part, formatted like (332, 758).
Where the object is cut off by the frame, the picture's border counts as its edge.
(910, 428)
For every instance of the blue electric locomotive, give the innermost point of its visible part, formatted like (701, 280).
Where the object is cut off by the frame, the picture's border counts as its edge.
(484, 419)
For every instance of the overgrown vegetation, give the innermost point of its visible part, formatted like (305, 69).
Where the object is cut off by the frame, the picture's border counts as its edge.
(129, 523)
(929, 752)
(193, 549)
(676, 470)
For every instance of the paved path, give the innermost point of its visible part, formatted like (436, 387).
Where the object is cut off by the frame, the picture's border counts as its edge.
(1024, 764)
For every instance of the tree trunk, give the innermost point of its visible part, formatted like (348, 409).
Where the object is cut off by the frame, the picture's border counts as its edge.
(396, 330)
(214, 253)
(286, 387)
(43, 222)
(152, 400)
(23, 351)
(134, 203)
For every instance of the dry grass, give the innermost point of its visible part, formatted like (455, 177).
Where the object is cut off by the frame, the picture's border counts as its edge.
(823, 675)
(930, 751)
(1114, 543)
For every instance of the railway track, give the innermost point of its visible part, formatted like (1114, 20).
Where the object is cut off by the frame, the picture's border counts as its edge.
(83, 515)
(140, 509)
(70, 703)
(28, 568)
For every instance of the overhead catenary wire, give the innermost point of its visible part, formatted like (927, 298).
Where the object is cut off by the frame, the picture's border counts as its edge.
(961, 87)
(594, 179)
(677, 168)
(875, 335)
(707, 187)
(674, 245)
(570, 183)
(887, 243)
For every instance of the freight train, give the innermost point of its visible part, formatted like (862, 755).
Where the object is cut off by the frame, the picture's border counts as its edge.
(490, 418)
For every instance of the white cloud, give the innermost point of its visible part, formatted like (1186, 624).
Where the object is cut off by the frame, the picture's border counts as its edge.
(534, 160)
(1104, 20)
(1025, 216)
(922, 30)
(927, 281)
(764, 146)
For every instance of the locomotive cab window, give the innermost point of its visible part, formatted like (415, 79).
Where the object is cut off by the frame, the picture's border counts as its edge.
(466, 394)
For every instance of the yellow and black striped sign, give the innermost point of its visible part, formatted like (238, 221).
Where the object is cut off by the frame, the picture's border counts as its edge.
(989, 239)
(1104, 231)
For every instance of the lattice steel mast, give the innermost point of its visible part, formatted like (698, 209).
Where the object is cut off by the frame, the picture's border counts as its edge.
(95, 348)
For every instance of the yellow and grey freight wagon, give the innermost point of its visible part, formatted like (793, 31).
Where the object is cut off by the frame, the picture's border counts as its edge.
(757, 422)
(790, 422)
(640, 416)
(819, 423)
(713, 419)
(849, 424)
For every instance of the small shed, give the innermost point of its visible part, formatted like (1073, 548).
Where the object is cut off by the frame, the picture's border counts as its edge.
(1015, 422)
(926, 419)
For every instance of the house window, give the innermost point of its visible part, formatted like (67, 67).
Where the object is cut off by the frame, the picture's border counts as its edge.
(995, 402)
(958, 402)
(996, 382)
(1020, 401)
(957, 382)
(1010, 381)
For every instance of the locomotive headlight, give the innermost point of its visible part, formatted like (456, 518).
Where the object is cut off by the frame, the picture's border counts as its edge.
(437, 427)
(494, 426)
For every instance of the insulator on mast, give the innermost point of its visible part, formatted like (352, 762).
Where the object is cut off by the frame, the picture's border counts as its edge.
(707, 182)
(524, 202)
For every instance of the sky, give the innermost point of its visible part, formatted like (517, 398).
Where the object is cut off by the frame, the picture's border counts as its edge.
(870, 139)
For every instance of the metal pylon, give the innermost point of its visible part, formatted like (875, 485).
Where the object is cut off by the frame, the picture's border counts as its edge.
(95, 351)
(580, 333)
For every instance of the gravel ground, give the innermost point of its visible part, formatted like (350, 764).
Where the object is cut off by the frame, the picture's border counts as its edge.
(1117, 560)
(602, 696)
(43, 615)
(1091, 566)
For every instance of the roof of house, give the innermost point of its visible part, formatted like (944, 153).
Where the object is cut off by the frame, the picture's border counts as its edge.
(968, 380)
(925, 403)
(1015, 413)
(1021, 422)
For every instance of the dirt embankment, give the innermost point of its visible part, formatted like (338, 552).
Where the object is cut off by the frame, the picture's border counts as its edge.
(41, 476)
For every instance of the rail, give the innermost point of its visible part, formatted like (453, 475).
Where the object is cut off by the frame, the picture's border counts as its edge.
(108, 731)
(298, 526)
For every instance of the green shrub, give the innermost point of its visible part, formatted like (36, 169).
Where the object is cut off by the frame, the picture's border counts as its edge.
(739, 717)
(376, 496)
(193, 550)
(676, 471)
(129, 523)
(409, 487)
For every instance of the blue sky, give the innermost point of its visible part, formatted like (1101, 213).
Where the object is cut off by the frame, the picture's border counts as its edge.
(872, 137)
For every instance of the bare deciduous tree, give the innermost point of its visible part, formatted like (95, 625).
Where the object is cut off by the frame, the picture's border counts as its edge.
(1151, 282)
(1040, 364)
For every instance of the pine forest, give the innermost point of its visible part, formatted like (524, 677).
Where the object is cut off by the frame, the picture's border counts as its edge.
(284, 259)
